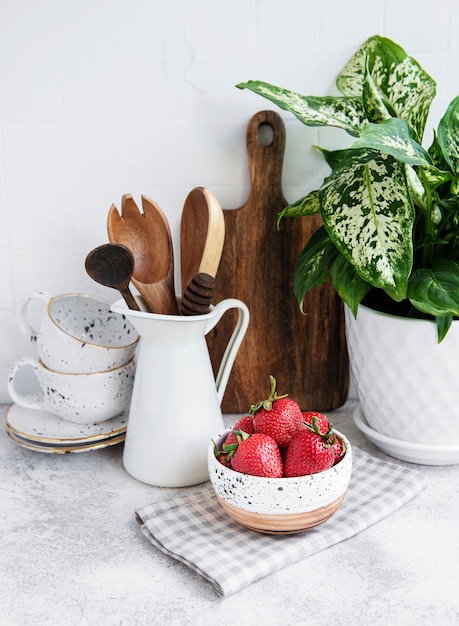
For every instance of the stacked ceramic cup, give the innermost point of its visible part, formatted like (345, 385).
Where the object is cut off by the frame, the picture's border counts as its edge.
(85, 367)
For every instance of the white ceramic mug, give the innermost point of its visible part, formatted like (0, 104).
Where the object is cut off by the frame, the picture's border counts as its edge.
(86, 398)
(78, 333)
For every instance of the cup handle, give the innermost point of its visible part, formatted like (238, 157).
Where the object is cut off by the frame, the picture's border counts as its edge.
(234, 342)
(22, 319)
(29, 402)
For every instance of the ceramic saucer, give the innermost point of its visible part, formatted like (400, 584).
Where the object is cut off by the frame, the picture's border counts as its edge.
(420, 453)
(50, 448)
(46, 428)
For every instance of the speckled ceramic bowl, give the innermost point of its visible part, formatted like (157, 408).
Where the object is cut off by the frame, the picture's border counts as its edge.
(280, 505)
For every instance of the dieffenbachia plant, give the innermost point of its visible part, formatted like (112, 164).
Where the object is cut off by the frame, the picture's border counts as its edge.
(390, 208)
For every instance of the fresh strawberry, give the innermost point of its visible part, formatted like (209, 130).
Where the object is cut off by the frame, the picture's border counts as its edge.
(258, 455)
(322, 421)
(324, 426)
(278, 416)
(222, 458)
(308, 452)
(339, 448)
(245, 424)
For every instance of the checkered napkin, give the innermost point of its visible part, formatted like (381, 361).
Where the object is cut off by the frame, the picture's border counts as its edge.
(194, 529)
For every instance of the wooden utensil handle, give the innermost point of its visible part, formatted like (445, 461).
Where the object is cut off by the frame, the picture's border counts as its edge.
(130, 300)
(265, 157)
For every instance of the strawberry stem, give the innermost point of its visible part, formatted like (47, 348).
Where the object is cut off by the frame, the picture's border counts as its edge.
(268, 403)
(329, 436)
(230, 449)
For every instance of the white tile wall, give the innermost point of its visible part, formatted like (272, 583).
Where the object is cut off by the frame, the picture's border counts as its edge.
(104, 97)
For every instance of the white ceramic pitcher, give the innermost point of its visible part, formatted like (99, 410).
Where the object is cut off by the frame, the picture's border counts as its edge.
(175, 407)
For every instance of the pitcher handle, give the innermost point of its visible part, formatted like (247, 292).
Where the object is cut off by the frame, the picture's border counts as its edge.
(23, 321)
(234, 343)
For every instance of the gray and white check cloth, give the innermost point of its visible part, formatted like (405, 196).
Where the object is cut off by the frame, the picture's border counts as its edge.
(194, 529)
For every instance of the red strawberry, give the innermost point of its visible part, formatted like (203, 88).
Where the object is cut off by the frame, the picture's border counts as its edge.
(221, 455)
(324, 426)
(322, 421)
(278, 416)
(222, 458)
(245, 424)
(339, 448)
(308, 453)
(258, 455)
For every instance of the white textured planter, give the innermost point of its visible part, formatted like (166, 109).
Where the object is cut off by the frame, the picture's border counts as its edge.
(407, 384)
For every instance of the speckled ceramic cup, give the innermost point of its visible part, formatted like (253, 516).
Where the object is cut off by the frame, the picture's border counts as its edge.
(280, 505)
(78, 333)
(80, 398)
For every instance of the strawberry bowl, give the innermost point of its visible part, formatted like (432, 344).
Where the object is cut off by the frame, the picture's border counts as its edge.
(280, 506)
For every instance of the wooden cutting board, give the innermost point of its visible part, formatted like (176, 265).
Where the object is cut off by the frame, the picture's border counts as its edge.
(307, 354)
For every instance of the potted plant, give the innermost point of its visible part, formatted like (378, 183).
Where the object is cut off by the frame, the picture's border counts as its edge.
(390, 212)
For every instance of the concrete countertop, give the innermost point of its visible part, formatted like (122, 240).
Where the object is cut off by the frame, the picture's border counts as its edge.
(72, 553)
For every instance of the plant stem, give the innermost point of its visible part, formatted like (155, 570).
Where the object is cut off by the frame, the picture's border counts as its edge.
(427, 248)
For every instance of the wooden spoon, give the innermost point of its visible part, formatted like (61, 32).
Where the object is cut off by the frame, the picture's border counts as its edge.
(202, 235)
(148, 236)
(112, 265)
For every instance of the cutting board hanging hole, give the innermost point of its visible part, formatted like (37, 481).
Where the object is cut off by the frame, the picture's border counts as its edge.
(265, 134)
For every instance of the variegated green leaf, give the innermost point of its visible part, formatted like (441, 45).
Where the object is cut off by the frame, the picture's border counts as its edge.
(455, 185)
(308, 205)
(448, 135)
(393, 137)
(417, 189)
(333, 157)
(436, 290)
(336, 158)
(436, 154)
(373, 100)
(312, 264)
(407, 89)
(434, 177)
(342, 112)
(368, 213)
(347, 283)
(351, 78)
(348, 156)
